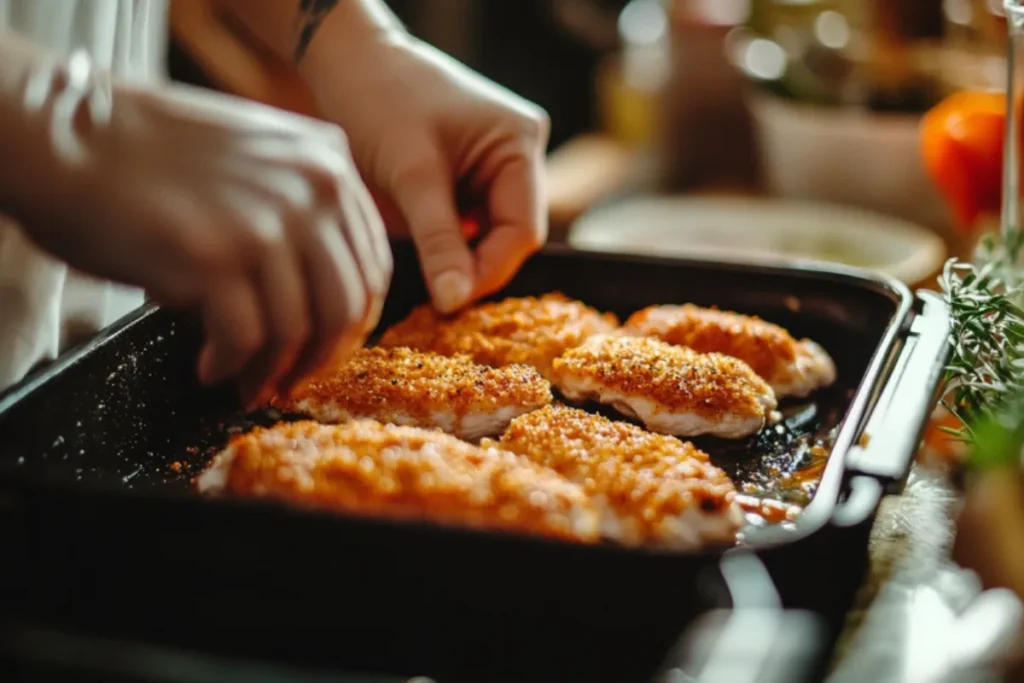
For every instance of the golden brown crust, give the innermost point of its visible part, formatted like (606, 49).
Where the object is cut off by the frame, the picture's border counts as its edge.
(418, 388)
(403, 472)
(762, 345)
(527, 330)
(643, 476)
(770, 350)
(676, 379)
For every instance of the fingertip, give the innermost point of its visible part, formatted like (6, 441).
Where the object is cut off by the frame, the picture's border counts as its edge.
(448, 265)
(451, 290)
(501, 254)
(372, 319)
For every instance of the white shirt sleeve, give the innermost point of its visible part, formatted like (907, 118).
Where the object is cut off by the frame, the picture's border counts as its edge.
(44, 306)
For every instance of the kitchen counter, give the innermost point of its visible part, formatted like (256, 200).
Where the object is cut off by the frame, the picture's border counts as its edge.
(910, 546)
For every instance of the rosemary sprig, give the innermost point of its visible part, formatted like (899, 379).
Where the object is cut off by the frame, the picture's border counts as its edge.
(985, 375)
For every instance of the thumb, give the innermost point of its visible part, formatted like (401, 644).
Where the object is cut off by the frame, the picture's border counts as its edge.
(426, 198)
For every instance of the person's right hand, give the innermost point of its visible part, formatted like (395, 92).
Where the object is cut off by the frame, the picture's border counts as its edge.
(253, 216)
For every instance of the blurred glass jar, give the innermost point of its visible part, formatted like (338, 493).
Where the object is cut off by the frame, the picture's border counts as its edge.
(975, 24)
(971, 54)
(1012, 155)
(707, 135)
(669, 91)
(631, 79)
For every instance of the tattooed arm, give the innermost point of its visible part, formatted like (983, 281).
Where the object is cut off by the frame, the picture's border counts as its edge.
(307, 32)
(310, 17)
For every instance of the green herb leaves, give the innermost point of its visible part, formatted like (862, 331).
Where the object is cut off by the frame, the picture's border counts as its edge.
(985, 375)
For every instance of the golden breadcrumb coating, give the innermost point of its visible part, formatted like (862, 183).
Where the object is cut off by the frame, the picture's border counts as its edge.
(529, 330)
(791, 367)
(656, 488)
(421, 389)
(671, 389)
(367, 468)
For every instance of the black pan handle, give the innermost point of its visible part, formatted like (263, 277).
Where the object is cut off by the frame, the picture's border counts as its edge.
(892, 434)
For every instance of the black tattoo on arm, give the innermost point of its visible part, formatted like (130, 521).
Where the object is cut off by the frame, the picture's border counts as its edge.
(311, 15)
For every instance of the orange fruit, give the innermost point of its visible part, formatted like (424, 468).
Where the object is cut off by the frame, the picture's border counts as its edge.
(962, 147)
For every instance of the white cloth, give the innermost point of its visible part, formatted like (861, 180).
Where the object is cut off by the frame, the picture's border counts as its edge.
(44, 306)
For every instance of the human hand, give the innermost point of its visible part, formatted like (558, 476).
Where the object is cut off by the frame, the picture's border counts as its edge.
(256, 218)
(425, 130)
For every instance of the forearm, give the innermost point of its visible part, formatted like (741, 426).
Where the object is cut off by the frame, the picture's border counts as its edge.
(309, 33)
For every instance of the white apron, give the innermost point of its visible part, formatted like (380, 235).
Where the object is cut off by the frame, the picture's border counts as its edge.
(44, 306)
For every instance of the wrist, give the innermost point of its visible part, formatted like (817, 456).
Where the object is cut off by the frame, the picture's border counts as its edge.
(347, 33)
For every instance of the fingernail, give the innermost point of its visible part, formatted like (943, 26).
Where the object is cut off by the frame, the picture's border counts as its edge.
(451, 289)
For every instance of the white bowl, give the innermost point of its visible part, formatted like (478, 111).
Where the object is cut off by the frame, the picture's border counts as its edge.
(846, 156)
(762, 230)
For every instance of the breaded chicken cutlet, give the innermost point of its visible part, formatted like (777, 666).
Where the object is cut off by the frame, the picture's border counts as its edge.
(670, 389)
(421, 389)
(367, 468)
(651, 488)
(791, 367)
(528, 330)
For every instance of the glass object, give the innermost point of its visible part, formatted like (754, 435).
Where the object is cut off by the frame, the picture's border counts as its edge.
(1006, 253)
(1014, 89)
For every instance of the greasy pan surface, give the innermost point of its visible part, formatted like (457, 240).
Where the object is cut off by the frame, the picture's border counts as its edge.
(98, 452)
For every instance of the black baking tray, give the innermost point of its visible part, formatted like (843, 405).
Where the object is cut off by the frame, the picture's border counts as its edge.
(101, 535)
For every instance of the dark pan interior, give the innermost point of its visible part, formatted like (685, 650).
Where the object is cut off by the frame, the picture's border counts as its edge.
(127, 550)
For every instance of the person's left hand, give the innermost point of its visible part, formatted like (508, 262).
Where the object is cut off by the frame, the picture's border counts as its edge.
(425, 129)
